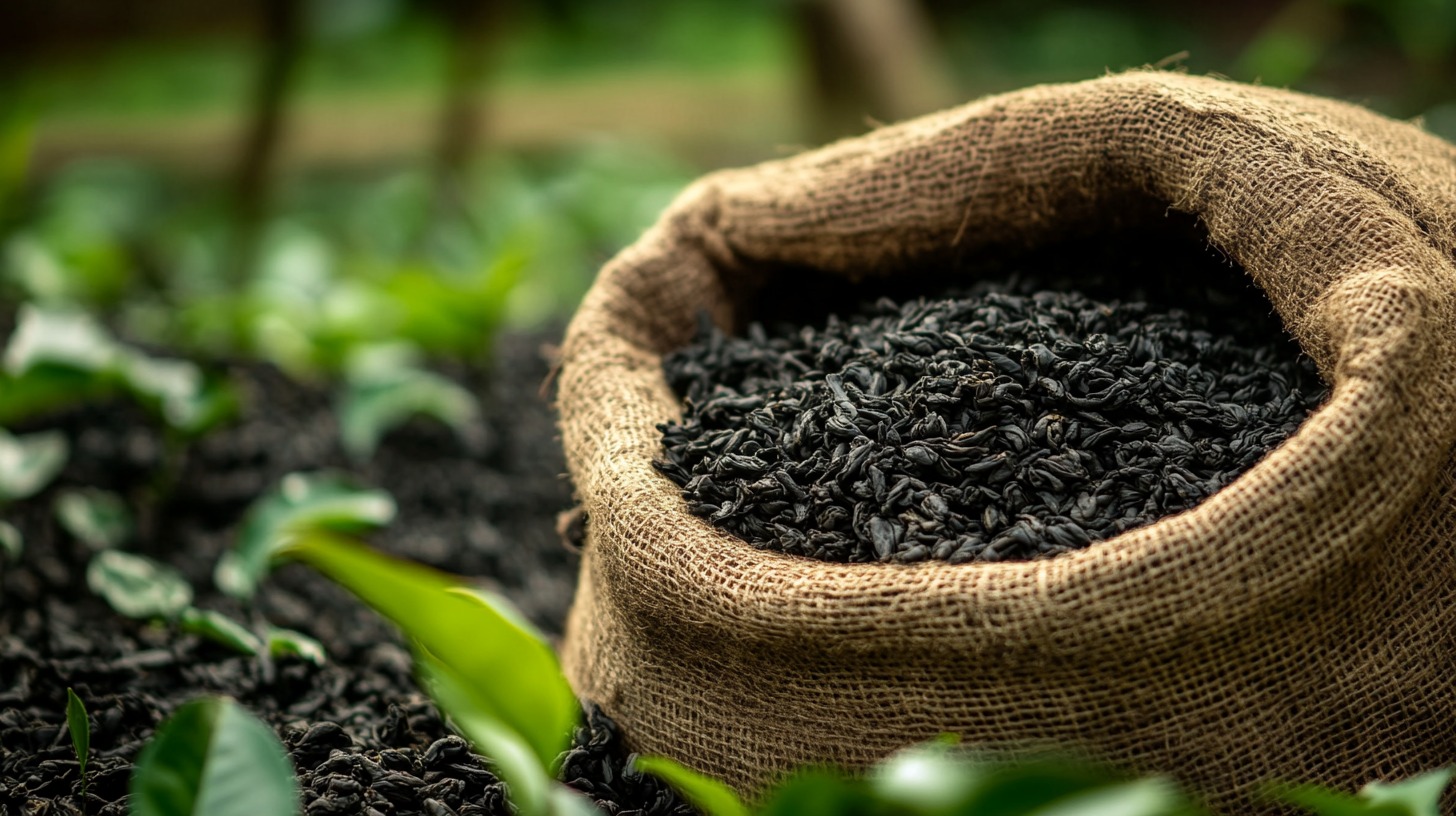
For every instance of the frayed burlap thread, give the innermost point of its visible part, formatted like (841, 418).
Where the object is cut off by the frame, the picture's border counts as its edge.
(1298, 625)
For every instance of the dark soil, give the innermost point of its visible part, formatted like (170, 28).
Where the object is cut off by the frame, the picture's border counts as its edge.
(362, 736)
(995, 425)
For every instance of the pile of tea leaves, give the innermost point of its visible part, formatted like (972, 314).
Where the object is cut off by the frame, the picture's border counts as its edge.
(996, 424)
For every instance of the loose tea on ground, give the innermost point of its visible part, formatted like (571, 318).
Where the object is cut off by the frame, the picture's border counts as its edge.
(997, 425)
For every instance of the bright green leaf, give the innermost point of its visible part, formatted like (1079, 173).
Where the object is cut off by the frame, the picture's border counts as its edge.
(97, 517)
(925, 778)
(302, 504)
(58, 337)
(219, 628)
(819, 793)
(80, 727)
(370, 409)
(137, 586)
(704, 793)
(564, 801)
(12, 544)
(288, 642)
(1014, 788)
(1417, 796)
(514, 675)
(525, 773)
(29, 463)
(213, 758)
(1144, 797)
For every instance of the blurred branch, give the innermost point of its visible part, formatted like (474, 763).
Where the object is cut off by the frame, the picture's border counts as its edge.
(468, 26)
(870, 58)
(283, 40)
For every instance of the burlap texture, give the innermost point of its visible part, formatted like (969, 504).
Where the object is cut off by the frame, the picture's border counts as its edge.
(1299, 625)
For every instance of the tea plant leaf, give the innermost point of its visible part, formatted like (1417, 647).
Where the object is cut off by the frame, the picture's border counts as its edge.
(58, 337)
(97, 517)
(213, 758)
(12, 544)
(564, 801)
(302, 504)
(820, 793)
(288, 642)
(80, 727)
(513, 674)
(704, 793)
(1031, 785)
(925, 778)
(1143, 797)
(1417, 796)
(29, 463)
(219, 628)
(371, 409)
(137, 586)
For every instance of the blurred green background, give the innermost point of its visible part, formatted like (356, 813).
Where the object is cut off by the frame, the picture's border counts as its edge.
(297, 179)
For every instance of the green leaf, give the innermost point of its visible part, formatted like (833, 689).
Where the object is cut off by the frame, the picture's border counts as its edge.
(513, 675)
(29, 463)
(925, 779)
(819, 793)
(213, 758)
(12, 544)
(137, 586)
(1023, 787)
(704, 793)
(80, 727)
(219, 628)
(303, 503)
(372, 408)
(1143, 797)
(564, 801)
(58, 337)
(288, 642)
(1417, 796)
(97, 517)
(511, 757)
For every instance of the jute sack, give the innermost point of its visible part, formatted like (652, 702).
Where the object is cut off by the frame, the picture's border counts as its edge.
(1298, 625)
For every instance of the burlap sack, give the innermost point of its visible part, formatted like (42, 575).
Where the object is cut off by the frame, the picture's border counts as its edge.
(1298, 625)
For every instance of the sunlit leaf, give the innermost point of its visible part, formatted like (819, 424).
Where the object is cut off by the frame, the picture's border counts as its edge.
(12, 543)
(1144, 797)
(288, 642)
(1010, 788)
(1417, 796)
(925, 778)
(304, 502)
(97, 517)
(372, 408)
(80, 727)
(708, 795)
(513, 674)
(29, 463)
(219, 628)
(213, 758)
(819, 793)
(58, 337)
(137, 586)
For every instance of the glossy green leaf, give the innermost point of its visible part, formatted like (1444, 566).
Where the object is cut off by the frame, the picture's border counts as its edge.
(925, 778)
(12, 544)
(1144, 797)
(564, 801)
(1417, 796)
(80, 727)
(288, 642)
(213, 758)
(819, 793)
(513, 673)
(1014, 788)
(137, 586)
(97, 517)
(29, 463)
(511, 757)
(219, 628)
(372, 408)
(303, 503)
(708, 795)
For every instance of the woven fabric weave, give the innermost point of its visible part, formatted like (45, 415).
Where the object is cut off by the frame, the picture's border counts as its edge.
(1298, 625)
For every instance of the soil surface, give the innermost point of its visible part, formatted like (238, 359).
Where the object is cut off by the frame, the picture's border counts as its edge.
(362, 736)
